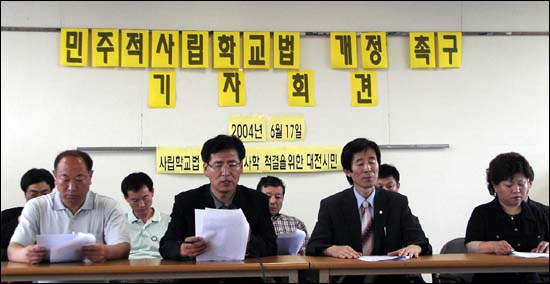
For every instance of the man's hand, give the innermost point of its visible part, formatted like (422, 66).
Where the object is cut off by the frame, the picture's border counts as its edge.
(193, 246)
(410, 250)
(342, 252)
(95, 252)
(35, 253)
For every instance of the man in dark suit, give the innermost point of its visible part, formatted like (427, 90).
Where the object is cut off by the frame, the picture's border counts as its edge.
(222, 157)
(338, 231)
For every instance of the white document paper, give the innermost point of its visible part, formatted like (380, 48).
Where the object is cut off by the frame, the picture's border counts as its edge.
(226, 231)
(65, 247)
(530, 254)
(383, 258)
(290, 243)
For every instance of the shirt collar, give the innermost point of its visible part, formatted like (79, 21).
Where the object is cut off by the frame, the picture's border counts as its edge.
(360, 198)
(219, 204)
(58, 204)
(155, 218)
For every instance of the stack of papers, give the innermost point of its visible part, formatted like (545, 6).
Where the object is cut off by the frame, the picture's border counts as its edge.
(290, 243)
(383, 258)
(226, 231)
(65, 247)
(530, 254)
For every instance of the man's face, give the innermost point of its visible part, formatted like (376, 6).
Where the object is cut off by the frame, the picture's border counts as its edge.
(224, 171)
(37, 189)
(73, 181)
(364, 171)
(388, 183)
(276, 198)
(140, 201)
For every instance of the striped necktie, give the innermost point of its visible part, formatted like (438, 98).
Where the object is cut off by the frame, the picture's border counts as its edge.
(367, 229)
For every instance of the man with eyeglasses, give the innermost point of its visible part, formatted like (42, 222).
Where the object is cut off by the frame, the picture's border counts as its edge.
(145, 224)
(72, 208)
(222, 157)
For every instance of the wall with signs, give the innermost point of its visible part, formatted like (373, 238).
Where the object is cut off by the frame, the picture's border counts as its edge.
(496, 102)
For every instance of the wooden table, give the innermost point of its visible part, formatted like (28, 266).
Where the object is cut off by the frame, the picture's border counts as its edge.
(441, 263)
(273, 266)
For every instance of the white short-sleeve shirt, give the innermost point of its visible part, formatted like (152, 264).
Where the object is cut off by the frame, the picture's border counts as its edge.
(99, 215)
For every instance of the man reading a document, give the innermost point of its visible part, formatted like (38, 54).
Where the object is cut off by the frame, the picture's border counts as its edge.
(72, 208)
(222, 157)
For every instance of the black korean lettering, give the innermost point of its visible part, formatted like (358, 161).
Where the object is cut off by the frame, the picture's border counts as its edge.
(286, 50)
(365, 87)
(227, 47)
(257, 52)
(195, 49)
(74, 41)
(300, 85)
(164, 85)
(105, 44)
(422, 49)
(345, 48)
(374, 43)
(166, 46)
(232, 81)
(451, 50)
(135, 45)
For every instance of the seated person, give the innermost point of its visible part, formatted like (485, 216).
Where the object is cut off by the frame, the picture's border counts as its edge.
(275, 189)
(507, 223)
(145, 224)
(34, 183)
(222, 157)
(365, 219)
(72, 208)
(388, 178)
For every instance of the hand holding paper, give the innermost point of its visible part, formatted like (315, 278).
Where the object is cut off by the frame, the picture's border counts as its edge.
(65, 247)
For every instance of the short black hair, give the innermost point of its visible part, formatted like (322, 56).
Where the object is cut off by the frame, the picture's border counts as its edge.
(356, 146)
(134, 182)
(221, 143)
(387, 170)
(34, 175)
(270, 181)
(75, 153)
(505, 166)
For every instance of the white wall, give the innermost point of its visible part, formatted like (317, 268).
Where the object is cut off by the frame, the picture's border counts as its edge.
(497, 101)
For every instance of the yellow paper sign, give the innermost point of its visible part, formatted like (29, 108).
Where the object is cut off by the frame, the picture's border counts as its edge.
(73, 48)
(179, 160)
(105, 48)
(300, 88)
(227, 50)
(162, 89)
(422, 49)
(363, 88)
(195, 49)
(134, 46)
(248, 128)
(257, 50)
(231, 88)
(286, 127)
(286, 50)
(343, 49)
(259, 159)
(373, 50)
(449, 49)
(165, 46)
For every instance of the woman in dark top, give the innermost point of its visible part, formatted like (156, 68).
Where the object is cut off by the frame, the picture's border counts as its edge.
(508, 223)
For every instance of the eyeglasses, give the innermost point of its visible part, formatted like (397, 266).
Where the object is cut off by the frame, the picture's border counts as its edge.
(231, 165)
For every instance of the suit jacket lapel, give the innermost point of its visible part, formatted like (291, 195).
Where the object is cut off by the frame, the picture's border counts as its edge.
(207, 200)
(350, 213)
